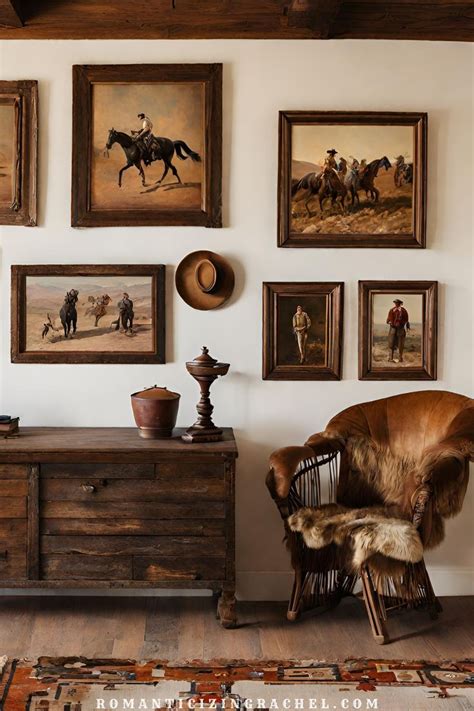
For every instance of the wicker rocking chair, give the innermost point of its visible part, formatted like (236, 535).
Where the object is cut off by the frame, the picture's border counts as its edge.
(407, 455)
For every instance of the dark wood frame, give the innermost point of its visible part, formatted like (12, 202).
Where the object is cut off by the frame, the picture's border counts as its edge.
(18, 313)
(429, 291)
(419, 122)
(334, 292)
(23, 95)
(84, 76)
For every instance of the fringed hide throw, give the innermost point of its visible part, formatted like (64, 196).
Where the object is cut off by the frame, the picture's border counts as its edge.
(364, 532)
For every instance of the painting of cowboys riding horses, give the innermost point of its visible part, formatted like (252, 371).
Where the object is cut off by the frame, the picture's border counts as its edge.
(350, 179)
(88, 314)
(147, 145)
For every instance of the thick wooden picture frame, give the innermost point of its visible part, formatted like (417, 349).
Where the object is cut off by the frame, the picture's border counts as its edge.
(23, 96)
(334, 293)
(429, 338)
(19, 353)
(84, 77)
(289, 119)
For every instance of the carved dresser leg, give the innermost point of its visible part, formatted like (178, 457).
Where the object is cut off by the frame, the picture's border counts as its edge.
(226, 609)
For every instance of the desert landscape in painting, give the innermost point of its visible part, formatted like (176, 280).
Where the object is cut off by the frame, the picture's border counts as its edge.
(368, 190)
(98, 314)
(412, 355)
(287, 344)
(176, 112)
(6, 153)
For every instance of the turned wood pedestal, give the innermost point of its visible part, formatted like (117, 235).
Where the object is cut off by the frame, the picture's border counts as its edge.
(102, 508)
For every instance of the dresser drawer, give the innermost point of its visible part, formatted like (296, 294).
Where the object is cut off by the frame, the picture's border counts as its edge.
(132, 557)
(130, 527)
(13, 471)
(178, 546)
(97, 470)
(132, 510)
(13, 498)
(13, 535)
(88, 488)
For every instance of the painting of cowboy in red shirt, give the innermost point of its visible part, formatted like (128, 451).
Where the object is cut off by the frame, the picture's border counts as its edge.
(400, 345)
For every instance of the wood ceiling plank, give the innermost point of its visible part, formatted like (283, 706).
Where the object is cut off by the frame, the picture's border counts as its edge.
(406, 20)
(317, 15)
(10, 13)
(266, 19)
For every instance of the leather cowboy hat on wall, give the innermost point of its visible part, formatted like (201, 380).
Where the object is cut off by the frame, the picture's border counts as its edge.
(204, 280)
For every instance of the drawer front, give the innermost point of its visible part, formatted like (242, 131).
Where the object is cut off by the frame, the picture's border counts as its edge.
(127, 558)
(153, 569)
(88, 488)
(13, 534)
(130, 527)
(13, 471)
(13, 498)
(133, 545)
(133, 509)
(97, 470)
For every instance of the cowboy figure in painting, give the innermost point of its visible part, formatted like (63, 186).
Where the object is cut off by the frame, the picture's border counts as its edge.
(144, 137)
(399, 323)
(126, 314)
(301, 325)
(330, 162)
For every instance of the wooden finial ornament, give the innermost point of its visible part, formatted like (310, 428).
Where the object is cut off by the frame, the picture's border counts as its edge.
(205, 370)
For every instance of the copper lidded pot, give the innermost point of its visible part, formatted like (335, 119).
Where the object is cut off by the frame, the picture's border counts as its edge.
(155, 410)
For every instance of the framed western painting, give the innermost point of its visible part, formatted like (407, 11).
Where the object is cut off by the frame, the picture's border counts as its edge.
(147, 145)
(398, 330)
(352, 179)
(302, 330)
(18, 152)
(88, 314)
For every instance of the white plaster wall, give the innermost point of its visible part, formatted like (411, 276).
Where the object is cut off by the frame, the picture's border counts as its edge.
(259, 79)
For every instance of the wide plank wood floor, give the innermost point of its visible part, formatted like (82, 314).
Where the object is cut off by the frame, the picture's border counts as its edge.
(186, 628)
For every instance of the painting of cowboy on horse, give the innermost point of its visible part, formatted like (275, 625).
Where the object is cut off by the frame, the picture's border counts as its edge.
(148, 146)
(361, 184)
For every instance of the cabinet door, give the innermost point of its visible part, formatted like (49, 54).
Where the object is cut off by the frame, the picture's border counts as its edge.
(13, 522)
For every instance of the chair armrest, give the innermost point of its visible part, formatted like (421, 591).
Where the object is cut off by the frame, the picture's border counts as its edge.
(284, 463)
(420, 500)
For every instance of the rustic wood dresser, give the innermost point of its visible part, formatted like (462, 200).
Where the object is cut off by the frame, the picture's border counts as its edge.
(100, 507)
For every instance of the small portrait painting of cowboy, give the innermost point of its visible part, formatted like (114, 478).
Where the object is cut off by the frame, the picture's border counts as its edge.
(397, 330)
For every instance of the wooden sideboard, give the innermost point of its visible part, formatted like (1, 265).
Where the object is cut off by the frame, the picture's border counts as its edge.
(100, 507)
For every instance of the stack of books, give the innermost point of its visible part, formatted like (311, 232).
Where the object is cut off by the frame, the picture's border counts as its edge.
(8, 425)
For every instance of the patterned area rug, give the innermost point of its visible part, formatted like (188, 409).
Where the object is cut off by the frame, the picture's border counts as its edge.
(78, 684)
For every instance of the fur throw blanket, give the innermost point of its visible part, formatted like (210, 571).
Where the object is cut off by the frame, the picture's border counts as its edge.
(367, 532)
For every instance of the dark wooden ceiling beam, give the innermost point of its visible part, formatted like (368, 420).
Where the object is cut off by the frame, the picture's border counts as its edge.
(10, 13)
(317, 16)
(266, 19)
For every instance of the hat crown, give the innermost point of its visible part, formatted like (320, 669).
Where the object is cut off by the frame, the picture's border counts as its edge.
(205, 275)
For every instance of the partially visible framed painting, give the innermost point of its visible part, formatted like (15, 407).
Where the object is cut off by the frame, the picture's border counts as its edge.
(352, 179)
(302, 330)
(147, 145)
(88, 314)
(18, 152)
(398, 330)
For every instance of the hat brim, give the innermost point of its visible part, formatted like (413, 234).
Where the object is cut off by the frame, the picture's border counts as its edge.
(190, 292)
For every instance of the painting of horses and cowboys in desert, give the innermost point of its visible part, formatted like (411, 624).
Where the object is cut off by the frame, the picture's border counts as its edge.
(88, 313)
(110, 314)
(147, 146)
(353, 184)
